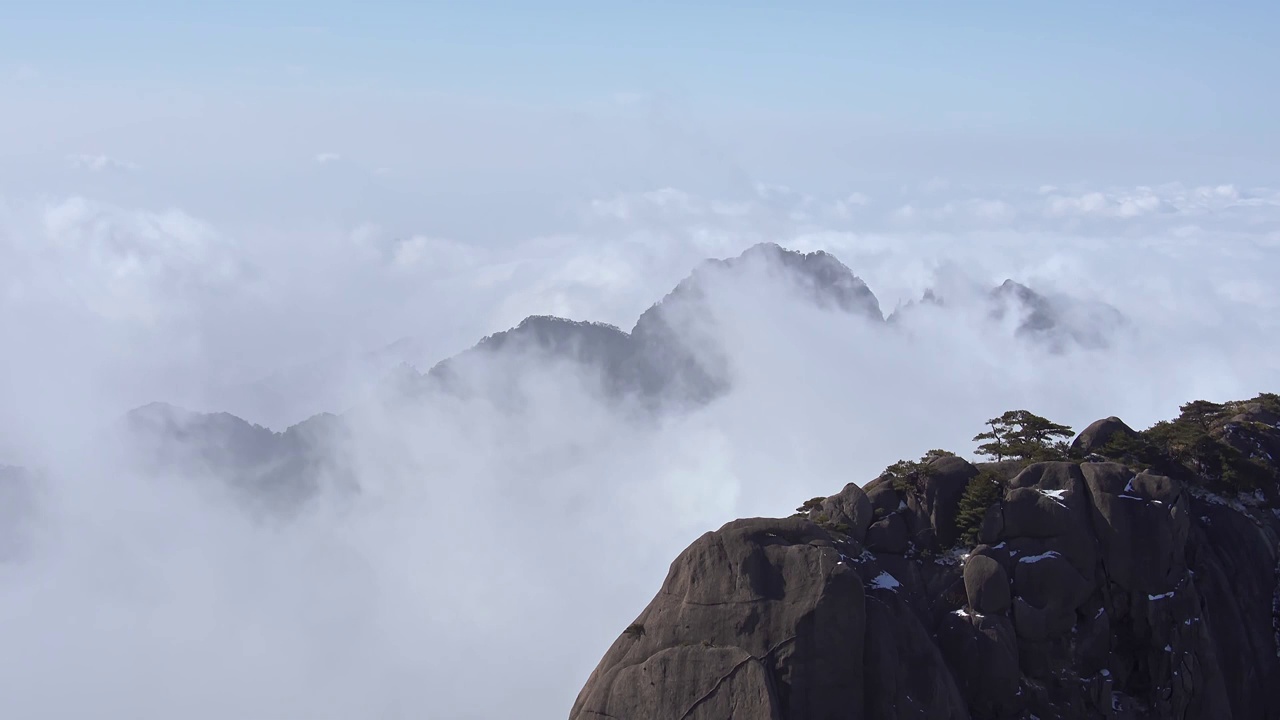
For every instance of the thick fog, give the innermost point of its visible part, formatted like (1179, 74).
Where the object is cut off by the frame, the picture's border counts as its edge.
(496, 544)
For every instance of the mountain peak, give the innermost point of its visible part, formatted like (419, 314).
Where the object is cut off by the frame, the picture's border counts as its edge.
(825, 280)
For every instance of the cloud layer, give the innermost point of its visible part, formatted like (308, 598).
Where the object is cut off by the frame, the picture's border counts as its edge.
(496, 549)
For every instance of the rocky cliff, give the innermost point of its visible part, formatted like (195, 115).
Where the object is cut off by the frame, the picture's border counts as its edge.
(1135, 577)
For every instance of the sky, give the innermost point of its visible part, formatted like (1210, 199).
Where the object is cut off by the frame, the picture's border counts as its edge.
(826, 92)
(261, 208)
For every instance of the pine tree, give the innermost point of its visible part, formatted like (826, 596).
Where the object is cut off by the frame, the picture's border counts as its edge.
(1023, 435)
(983, 491)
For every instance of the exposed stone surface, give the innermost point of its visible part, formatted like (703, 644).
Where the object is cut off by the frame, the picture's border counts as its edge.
(849, 508)
(764, 615)
(986, 585)
(1100, 592)
(1101, 432)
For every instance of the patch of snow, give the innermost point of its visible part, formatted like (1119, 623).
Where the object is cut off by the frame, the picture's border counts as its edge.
(1041, 556)
(1054, 495)
(1105, 672)
(1128, 488)
(902, 505)
(1168, 648)
(1100, 611)
(885, 581)
(1162, 596)
(1217, 499)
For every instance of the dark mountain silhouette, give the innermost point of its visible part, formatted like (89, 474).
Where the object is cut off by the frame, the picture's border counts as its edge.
(273, 471)
(1059, 323)
(669, 360)
(657, 360)
(1134, 577)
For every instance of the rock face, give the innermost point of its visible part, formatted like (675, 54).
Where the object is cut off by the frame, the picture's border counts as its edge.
(1097, 591)
(781, 636)
(1100, 432)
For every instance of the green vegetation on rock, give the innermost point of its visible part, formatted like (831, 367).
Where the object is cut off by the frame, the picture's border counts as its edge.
(1021, 435)
(983, 491)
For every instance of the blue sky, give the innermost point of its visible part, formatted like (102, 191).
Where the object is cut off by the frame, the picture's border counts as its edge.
(831, 91)
(1176, 65)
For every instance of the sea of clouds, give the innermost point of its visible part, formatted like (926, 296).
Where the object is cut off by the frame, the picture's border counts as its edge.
(496, 549)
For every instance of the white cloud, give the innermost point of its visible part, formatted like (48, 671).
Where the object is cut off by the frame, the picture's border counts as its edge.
(100, 163)
(326, 158)
(419, 251)
(491, 531)
(134, 266)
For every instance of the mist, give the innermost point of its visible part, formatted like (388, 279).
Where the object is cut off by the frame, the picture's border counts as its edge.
(275, 252)
(498, 543)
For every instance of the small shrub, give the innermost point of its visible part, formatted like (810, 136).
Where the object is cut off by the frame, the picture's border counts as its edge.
(842, 528)
(905, 475)
(811, 504)
(634, 630)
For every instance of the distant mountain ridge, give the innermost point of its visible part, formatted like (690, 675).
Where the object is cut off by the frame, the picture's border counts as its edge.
(665, 361)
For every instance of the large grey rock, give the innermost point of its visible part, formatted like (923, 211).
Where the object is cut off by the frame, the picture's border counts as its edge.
(986, 585)
(1141, 523)
(775, 593)
(889, 535)
(1099, 433)
(1098, 593)
(982, 651)
(943, 485)
(850, 508)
